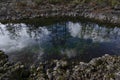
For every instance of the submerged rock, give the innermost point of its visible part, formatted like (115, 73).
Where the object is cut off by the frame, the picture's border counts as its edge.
(117, 76)
(103, 68)
(11, 71)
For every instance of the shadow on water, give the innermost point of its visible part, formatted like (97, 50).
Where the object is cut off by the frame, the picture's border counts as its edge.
(46, 21)
(83, 41)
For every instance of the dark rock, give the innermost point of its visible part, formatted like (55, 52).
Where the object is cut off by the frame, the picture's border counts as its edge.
(117, 7)
(11, 10)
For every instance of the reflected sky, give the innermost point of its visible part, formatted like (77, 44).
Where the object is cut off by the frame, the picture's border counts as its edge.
(94, 32)
(67, 39)
(17, 36)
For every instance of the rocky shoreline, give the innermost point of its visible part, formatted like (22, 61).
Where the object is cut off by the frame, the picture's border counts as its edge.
(103, 68)
(15, 11)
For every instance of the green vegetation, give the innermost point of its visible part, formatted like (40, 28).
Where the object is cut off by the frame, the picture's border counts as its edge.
(51, 1)
(56, 1)
(22, 4)
(108, 2)
(38, 1)
(98, 2)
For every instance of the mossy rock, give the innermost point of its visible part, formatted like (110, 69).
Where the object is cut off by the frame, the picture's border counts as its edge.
(61, 78)
(99, 62)
(2, 55)
(1, 52)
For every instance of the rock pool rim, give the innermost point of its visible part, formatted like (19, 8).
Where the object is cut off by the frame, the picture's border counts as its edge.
(102, 67)
(56, 19)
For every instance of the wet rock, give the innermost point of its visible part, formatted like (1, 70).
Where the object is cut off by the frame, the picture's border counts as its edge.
(117, 75)
(64, 64)
(11, 10)
(117, 7)
(11, 70)
(2, 55)
(106, 67)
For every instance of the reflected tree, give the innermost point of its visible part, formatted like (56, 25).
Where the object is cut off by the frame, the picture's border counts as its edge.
(14, 30)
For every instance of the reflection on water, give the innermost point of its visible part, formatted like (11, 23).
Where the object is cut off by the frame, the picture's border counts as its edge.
(94, 32)
(28, 43)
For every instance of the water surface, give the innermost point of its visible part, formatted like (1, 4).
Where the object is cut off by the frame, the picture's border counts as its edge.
(72, 40)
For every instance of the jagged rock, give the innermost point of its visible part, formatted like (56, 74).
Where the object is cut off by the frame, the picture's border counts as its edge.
(117, 76)
(117, 7)
(106, 67)
(10, 10)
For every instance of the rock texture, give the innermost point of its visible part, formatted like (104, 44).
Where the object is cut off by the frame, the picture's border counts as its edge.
(103, 68)
(15, 10)
(11, 71)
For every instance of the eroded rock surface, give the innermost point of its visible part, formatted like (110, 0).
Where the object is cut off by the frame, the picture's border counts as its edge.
(103, 68)
(15, 10)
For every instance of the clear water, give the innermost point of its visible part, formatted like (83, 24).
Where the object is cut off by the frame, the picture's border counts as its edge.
(72, 40)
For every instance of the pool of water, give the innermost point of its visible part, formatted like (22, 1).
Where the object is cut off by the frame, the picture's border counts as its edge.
(72, 40)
